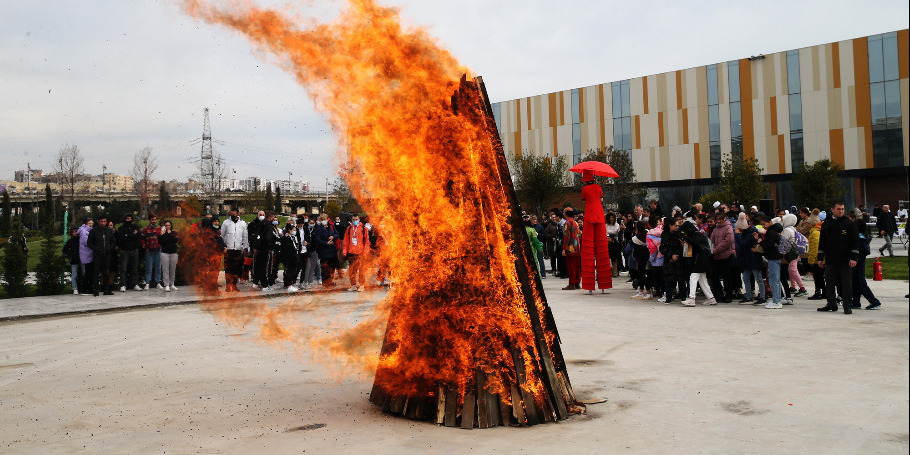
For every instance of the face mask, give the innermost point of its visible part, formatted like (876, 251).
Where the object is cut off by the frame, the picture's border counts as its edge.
(293, 232)
(216, 226)
(234, 218)
(355, 223)
(261, 217)
(324, 222)
(306, 220)
(313, 223)
(274, 222)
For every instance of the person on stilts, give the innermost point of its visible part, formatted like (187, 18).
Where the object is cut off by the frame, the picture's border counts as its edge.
(595, 254)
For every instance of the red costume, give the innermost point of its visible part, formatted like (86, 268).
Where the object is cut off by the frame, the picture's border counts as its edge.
(595, 255)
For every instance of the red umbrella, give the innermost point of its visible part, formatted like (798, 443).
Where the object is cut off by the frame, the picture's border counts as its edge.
(599, 168)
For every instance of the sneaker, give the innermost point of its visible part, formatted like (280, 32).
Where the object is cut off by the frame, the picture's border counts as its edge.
(352, 289)
(167, 289)
(122, 288)
(159, 286)
(75, 292)
(637, 295)
(146, 288)
(801, 292)
(816, 296)
(773, 306)
(267, 289)
(137, 288)
(254, 286)
(361, 288)
(689, 302)
(173, 288)
(788, 301)
(662, 299)
(292, 289)
(760, 302)
(874, 306)
(792, 290)
(745, 301)
(710, 301)
(647, 296)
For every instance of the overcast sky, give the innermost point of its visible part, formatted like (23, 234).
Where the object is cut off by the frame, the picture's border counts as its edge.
(113, 76)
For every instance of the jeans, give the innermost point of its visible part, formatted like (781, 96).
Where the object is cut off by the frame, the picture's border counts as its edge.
(543, 265)
(860, 286)
(748, 274)
(887, 245)
(774, 279)
(152, 264)
(169, 267)
(74, 274)
(129, 266)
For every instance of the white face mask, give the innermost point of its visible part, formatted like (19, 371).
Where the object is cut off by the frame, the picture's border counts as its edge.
(261, 217)
(324, 222)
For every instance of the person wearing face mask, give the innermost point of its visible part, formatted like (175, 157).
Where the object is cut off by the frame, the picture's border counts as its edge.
(168, 241)
(310, 273)
(324, 237)
(300, 227)
(256, 230)
(149, 242)
(355, 248)
(128, 243)
(271, 244)
(236, 243)
(289, 254)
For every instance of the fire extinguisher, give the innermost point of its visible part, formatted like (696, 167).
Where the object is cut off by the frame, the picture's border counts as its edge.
(877, 270)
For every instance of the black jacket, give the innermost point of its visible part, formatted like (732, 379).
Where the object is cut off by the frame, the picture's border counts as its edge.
(255, 229)
(771, 241)
(71, 250)
(886, 223)
(701, 251)
(839, 241)
(128, 236)
(290, 248)
(102, 241)
(168, 242)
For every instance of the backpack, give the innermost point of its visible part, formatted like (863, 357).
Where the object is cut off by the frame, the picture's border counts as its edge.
(787, 249)
(802, 244)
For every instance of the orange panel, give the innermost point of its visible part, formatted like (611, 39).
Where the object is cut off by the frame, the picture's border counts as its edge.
(679, 90)
(903, 53)
(782, 155)
(697, 156)
(835, 63)
(555, 141)
(644, 90)
(863, 103)
(637, 132)
(562, 108)
(685, 127)
(836, 137)
(551, 103)
(660, 129)
(745, 96)
(773, 109)
(516, 139)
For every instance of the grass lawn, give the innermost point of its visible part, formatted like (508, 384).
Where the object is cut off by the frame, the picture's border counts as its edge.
(893, 268)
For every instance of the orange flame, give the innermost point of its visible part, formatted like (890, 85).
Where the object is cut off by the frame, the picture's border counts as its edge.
(428, 176)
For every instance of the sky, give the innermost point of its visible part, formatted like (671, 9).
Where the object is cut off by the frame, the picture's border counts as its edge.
(114, 76)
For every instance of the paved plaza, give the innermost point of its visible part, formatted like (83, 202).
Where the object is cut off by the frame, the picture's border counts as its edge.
(150, 372)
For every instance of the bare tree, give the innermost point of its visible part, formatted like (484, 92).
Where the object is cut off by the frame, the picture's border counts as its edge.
(69, 167)
(144, 167)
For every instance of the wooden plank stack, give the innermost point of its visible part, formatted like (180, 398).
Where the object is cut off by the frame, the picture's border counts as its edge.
(515, 403)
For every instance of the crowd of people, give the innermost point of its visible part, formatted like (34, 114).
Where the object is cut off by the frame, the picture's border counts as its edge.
(726, 254)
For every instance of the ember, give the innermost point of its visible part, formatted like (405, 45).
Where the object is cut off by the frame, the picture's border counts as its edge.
(470, 340)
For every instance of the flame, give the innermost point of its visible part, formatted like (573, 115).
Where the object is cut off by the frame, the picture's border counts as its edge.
(429, 177)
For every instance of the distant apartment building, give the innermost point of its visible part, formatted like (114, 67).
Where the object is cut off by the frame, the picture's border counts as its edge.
(23, 176)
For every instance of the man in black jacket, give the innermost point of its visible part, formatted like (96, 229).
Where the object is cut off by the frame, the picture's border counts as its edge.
(128, 236)
(102, 242)
(838, 251)
(886, 227)
(256, 229)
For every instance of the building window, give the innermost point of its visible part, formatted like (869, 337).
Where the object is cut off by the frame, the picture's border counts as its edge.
(497, 116)
(884, 91)
(713, 122)
(576, 143)
(795, 106)
(622, 120)
(736, 114)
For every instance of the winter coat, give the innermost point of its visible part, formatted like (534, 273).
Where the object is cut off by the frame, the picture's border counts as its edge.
(814, 236)
(235, 235)
(102, 241)
(271, 240)
(671, 244)
(71, 250)
(359, 235)
(168, 242)
(290, 250)
(886, 223)
(255, 231)
(653, 239)
(838, 242)
(745, 241)
(640, 248)
(722, 240)
(552, 231)
(85, 253)
(771, 241)
(698, 241)
(128, 237)
(536, 244)
(806, 224)
(571, 238)
(325, 248)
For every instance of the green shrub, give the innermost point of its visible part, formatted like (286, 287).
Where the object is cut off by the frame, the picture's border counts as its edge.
(14, 270)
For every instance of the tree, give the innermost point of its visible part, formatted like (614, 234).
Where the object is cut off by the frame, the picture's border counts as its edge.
(14, 269)
(817, 185)
(332, 209)
(191, 207)
(278, 205)
(339, 188)
(740, 180)
(253, 201)
(69, 167)
(623, 191)
(144, 167)
(50, 265)
(49, 211)
(269, 202)
(163, 206)
(6, 218)
(539, 180)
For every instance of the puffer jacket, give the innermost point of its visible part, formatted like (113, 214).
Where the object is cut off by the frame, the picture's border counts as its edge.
(814, 235)
(722, 240)
(653, 239)
(805, 225)
(745, 240)
(85, 253)
(789, 232)
(770, 242)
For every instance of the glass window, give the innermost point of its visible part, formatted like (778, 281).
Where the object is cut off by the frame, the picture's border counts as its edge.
(796, 112)
(575, 114)
(497, 115)
(736, 147)
(712, 84)
(617, 134)
(733, 76)
(889, 58)
(713, 123)
(715, 159)
(877, 97)
(893, 103)
(876, 66)
(736, 120)
(624, 86)
(617, 99)
(576, 143)
(797, 156)
(627, 133)
(793, 72)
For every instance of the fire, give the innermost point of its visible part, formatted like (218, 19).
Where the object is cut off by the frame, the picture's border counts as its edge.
(428, 175)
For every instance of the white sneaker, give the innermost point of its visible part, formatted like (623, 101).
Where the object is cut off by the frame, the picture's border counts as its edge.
(710, 301)
(638, 295)
(146, 288)
(137, 288)
(173, 288)
(122, 288)
(788, 301)
(292, 289)
(352, 289)
(267, 289)
(159, 286)
(254, 286)
(75, 292)
(662, 299)
(360, 288)
(773, 306)
(689, 302)
(167, 289)
(647, 296)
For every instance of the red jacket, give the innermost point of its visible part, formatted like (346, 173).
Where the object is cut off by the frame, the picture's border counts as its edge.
(356, 240)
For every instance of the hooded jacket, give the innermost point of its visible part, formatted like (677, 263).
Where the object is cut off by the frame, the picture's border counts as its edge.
(745, 240)
(722, 239)
(701, 255)
(789, 223)
(770, 242)
(102, 241)
(85, 253)
(128, 236)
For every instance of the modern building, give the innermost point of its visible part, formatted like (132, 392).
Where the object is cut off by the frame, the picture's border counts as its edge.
(846, 101)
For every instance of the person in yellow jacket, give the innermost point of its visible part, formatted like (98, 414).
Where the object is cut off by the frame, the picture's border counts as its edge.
(818, 275)
(355, 247)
